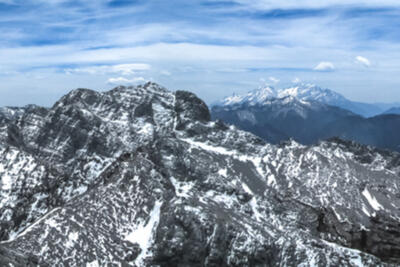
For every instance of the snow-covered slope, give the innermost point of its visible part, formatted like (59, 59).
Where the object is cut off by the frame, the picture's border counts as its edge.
(140, 176)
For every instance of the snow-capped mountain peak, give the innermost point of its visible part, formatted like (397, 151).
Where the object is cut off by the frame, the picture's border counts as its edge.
(261, 94)
(302, 91)
(253, 97)
(312, 92)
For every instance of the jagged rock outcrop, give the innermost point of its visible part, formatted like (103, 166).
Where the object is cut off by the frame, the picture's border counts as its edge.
(140, 176)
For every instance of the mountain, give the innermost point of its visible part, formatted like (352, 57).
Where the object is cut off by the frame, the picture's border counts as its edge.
(302, 113)
(280, 119)
(387, 106)
(305, 92)
(395, 110)
(379, 131)
(140, 176)
(252, 98)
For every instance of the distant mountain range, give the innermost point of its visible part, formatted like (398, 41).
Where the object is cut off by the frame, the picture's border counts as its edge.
(308, 113)
(307, 92)
(395, 110)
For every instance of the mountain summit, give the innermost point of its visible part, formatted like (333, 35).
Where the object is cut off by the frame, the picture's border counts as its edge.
(140, 176)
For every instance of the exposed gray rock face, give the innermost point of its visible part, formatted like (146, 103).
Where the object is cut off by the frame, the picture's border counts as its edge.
(140, 176)
(12, 258)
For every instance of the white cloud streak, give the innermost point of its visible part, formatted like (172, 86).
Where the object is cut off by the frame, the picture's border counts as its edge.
(324, 66)
(363, 61)
(274, 80)
(165, 73)
(123, 69)
(123, 80)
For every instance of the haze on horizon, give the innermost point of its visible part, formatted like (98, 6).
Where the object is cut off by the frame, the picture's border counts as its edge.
(211, 47)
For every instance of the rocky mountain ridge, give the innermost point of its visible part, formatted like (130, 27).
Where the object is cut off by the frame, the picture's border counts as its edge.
(140, 176)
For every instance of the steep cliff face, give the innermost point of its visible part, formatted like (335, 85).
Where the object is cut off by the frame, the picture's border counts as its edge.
(140, 176)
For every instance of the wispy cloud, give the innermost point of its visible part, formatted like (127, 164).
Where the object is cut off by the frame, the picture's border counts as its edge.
(273, 80)
(123, 80)
(325, 66)
(165, 73)
(123, 69)
(363, 61)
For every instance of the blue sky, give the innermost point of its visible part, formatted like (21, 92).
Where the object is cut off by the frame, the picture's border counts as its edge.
(211, 47)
